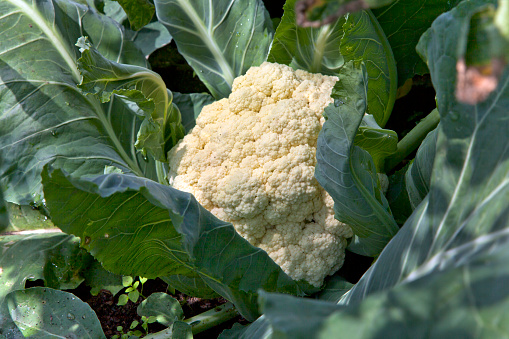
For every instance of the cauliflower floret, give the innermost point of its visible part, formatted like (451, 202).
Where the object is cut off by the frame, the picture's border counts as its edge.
(250, 160)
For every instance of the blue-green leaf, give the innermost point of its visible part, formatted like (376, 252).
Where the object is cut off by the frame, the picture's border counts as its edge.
(24, 217)
(404, 34)
(150, 37)
(41, 312)
(256, 330)
(97, 278)
(467, 202)
(51, 256)
(397, 196)
(315, 50)
(364, 40)
(335, 287)
(348, 172)
(326, 49)
(320, 12)
(220, 40)
(162, 128)
(418, 176)
(44, 117)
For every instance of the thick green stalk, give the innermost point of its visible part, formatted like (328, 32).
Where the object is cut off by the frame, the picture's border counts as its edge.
(413, 139)
(203, 321)
(213, 317)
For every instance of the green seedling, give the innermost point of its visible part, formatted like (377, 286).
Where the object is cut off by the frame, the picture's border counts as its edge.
(131, 292)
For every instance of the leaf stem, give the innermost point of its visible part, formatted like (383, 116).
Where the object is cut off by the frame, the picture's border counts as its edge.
(213, 317)
(203, 321)
(161, 173)
(413, 139)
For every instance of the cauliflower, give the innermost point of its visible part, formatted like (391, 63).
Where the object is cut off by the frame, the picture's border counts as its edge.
(250, 160)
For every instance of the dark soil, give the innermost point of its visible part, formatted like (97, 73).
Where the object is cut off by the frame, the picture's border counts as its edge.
(354, 267)
(176, 73)
(111, 315)
(413, 107)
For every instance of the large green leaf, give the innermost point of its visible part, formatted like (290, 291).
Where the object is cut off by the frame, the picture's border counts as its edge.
(162, 128)
(315, 50)
(414, 17)
(163, 307)
(418, 176)
(334, 289)
(397, 196)
(220, 40)
(26, 218)
(169, 233)
(470, 301)
(364, 40)
(97, 278)
(258, 329)
(139, 12)
(41, 312)
(44, 117)
(348, 172)
(53, 257)
(445, 274)
(467, 182)
(325, 50)
(315, 13)
(193, 285)
(150, 37)
(378, 142)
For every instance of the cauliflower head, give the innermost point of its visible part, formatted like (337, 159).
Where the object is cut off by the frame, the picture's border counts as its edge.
(250, 160)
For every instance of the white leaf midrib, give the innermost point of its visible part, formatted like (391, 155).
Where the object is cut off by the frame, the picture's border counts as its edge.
(53, 36)
(208, 38)
(56, 40)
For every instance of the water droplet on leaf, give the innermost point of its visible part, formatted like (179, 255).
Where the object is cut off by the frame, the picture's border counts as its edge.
(338, 103)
